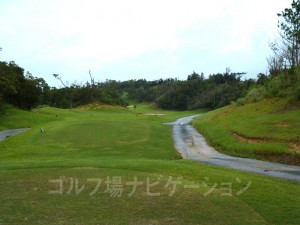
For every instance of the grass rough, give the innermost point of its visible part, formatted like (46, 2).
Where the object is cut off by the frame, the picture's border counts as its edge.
(268, 130)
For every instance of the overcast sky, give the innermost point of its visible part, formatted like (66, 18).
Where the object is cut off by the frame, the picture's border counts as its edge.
(132, 39)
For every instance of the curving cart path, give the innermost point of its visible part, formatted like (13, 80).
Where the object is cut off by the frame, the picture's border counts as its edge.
(192, 145)
(7, 133)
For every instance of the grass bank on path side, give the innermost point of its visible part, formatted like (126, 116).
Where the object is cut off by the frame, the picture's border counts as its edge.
(141, 179)
(267, 130)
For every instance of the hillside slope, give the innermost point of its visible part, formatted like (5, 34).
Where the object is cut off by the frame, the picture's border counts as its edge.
(267, 130)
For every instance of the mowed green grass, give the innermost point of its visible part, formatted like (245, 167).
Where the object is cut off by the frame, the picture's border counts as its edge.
(268, 130)
(83, 148)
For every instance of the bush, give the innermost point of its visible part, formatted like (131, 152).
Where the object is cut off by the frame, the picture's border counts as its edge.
(296, 93)
(283, 85)
(241, 101)
(2, 111)
(256, 94)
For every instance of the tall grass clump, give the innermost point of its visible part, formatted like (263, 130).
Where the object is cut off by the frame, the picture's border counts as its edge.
(284, 85)
(256, 94)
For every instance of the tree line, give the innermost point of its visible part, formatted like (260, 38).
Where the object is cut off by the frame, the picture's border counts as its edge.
(195, 92)
(217, 90)
(26, 91)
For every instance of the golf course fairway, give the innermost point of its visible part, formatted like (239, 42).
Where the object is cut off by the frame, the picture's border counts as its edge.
(113, 165)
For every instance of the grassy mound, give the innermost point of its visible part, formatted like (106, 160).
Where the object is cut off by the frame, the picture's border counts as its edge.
(269, 130)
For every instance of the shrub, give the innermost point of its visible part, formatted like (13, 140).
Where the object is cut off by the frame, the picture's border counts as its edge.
(241, 101)
(256, 94)
(274, 86)
(296, 93)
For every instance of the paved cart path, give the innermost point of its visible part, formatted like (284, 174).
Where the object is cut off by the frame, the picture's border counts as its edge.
(7, 133)
(192, 145)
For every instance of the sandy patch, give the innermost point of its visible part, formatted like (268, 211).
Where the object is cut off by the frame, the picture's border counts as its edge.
(154, 114)
(249, 140)
(281, 125)
(294, 147)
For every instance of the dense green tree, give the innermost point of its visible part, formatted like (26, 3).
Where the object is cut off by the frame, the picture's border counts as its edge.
(17, 89)
(261, 78)
(290, 27)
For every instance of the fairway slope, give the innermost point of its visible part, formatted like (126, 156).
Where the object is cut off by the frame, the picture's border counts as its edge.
(267, 130)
